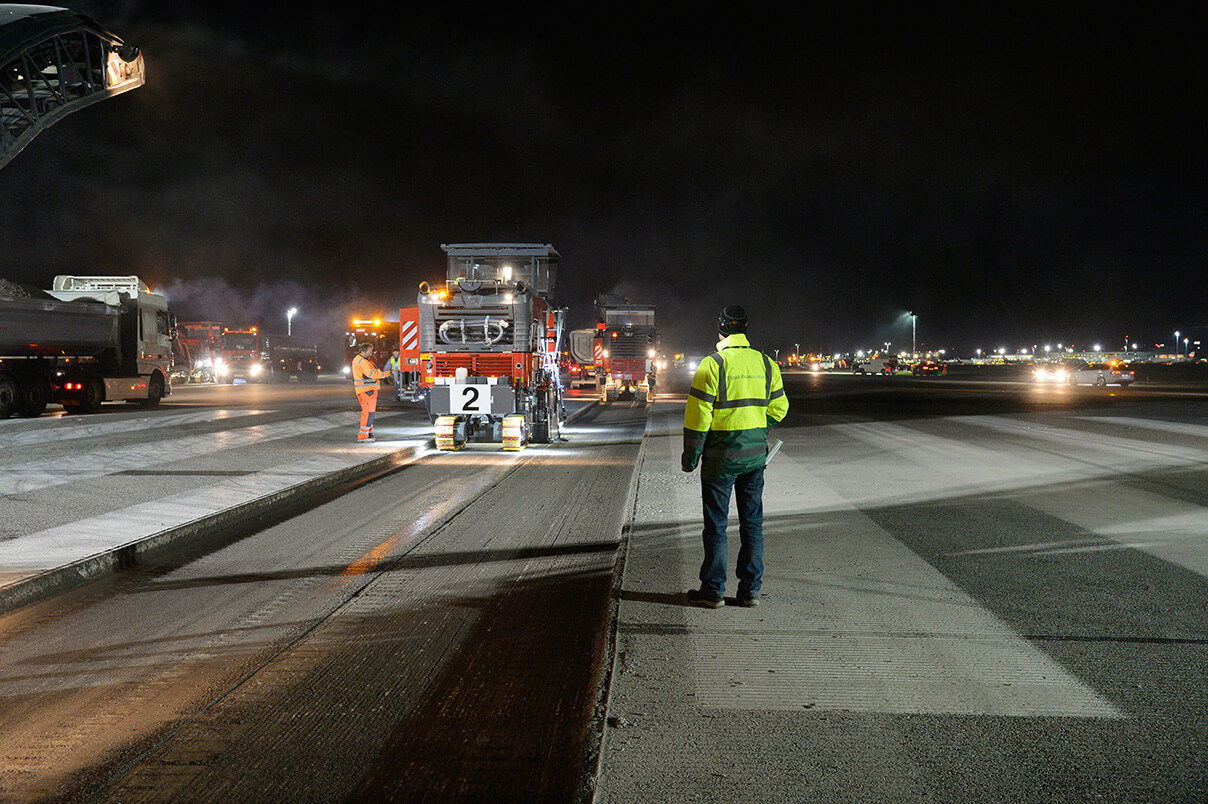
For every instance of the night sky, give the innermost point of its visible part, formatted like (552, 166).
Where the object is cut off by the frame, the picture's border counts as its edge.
(1022, 179)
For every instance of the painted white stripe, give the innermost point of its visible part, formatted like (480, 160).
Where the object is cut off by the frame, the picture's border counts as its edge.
(917, 466)
(58, 546)
(1130, 518)
(1111, 452)
(865, 624)
(1194, 430)
(68, 429)
(33, 475)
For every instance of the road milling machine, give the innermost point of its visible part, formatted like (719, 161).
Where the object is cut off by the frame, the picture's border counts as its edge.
(624, 348)
(489, 341)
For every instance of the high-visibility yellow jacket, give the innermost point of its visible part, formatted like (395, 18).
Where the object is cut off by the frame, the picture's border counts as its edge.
(737, 393)
(365, 375)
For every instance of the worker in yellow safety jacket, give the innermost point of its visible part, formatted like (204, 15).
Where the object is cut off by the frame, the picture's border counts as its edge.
(366, 381)
(737, 394)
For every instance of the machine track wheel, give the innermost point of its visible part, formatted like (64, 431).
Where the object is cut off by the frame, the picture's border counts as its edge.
(450, 432)
(515, 432)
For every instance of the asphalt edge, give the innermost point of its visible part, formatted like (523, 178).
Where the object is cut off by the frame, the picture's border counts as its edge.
(71, 576)
(59, 580)
(588, 787)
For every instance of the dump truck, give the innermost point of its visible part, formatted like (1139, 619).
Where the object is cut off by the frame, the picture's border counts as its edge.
(87, 340)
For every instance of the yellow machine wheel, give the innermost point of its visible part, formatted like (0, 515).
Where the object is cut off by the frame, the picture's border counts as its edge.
(515, 432)
(450, 433)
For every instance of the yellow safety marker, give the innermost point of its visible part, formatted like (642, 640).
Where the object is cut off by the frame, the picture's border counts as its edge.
(515, 432)
(446, 433)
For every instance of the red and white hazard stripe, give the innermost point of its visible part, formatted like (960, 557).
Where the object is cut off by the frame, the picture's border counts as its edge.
(408, 335)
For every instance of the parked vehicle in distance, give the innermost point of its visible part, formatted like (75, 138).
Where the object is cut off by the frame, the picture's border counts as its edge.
(1080, 372)
(928, 368)
(877, 365)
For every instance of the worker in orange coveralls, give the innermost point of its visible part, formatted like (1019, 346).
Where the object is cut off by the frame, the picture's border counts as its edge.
(366, 381)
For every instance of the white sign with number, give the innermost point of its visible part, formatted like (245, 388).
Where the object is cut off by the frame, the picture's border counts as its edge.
(467, 399)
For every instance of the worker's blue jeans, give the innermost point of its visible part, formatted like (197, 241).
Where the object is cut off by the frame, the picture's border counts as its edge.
(748, 492)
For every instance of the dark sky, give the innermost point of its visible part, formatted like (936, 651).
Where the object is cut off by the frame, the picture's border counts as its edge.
(1014, 180)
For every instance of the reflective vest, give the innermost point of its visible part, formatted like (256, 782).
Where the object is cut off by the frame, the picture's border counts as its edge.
(365, 375)
(737, 393)
(393, 363)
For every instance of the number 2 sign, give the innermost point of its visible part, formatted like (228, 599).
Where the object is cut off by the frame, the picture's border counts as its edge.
(469, 399)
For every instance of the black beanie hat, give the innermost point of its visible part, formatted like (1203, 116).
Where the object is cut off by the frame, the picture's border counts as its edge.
(732, 320)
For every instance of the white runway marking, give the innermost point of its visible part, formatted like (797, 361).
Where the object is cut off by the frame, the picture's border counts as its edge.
(33, 475)
(75, 541)
(67, 429)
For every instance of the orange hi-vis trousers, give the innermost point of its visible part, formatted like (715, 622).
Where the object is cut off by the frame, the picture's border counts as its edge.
(368, 400)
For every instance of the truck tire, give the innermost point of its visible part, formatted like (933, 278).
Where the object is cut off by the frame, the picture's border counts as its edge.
(155, 391)
(8, 396)
(35, 395)
(93, 394)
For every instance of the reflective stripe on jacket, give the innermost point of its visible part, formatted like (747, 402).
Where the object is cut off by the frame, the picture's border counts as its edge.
(365, 375)
(737, 393)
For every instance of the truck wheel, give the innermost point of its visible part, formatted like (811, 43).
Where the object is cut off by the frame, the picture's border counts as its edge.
(8, 396)
(35, 394)
(155, 391)
(92, 396)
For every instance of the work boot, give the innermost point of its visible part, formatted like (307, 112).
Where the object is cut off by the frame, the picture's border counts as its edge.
(699, 598)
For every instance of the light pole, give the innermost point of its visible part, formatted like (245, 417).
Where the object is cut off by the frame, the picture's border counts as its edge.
(1176, 343)
(914, 325)
(289, 321)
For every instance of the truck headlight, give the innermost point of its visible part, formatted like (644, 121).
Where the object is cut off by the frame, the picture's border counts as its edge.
(254, 369)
